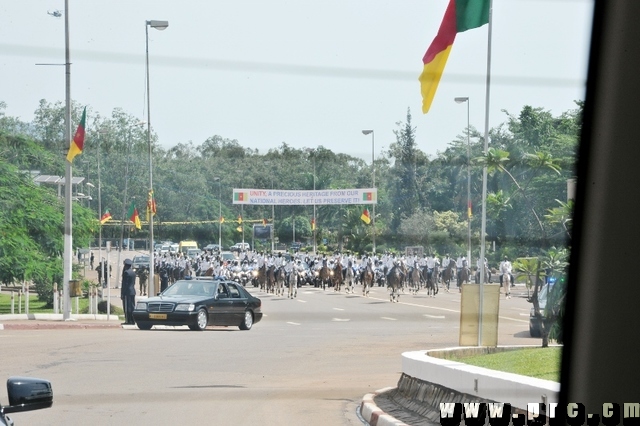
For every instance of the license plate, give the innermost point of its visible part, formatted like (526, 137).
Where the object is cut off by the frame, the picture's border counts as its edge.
(157, 316)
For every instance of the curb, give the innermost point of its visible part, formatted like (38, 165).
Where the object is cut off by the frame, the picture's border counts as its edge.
(55, 321)
(373, 415)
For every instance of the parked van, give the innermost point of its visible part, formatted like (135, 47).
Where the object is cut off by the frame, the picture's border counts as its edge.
(186, 245)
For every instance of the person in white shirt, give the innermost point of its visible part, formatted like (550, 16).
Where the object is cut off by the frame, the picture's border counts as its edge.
(505, 269)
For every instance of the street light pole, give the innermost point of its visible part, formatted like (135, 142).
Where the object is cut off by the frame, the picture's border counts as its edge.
(373, 185)
(219, 212)
(68, 211)
(314, 203)
(461, 100)
(159, 25)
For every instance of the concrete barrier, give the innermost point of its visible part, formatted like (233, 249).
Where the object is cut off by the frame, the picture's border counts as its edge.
(434, 367)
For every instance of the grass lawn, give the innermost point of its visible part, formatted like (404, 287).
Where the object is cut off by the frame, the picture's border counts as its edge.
(543, 363)
(38, 307)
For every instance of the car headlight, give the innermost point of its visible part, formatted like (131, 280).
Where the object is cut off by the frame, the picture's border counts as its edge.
(141, 306)
(185, 307)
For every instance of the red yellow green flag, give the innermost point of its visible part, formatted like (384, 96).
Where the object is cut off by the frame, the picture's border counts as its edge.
(134, 217)
(240, 219)
(77, 144)
(105, 217)
(365, 216)
(469, 209)
(221, 219)
(151, 205)
(313, 224)
(460, 16)
(264, 222)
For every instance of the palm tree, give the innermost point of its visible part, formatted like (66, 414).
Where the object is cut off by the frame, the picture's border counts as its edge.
(496, 160)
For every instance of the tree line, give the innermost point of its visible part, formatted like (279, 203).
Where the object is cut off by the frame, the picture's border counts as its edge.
(422, 199)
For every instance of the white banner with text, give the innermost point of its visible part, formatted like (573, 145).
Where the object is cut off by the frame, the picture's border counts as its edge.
(285, 197)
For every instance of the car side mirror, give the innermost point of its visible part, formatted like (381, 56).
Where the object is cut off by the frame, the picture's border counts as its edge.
(27, 394)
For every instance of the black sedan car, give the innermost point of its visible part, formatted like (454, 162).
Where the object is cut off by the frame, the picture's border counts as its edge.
(198, 303)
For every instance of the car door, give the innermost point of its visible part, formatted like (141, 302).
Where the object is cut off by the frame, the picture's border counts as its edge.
(238, 303)
(220, 310)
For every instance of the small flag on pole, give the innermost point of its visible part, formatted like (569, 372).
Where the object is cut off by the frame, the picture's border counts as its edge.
(105, 217)
(264, 222)
(365, 216)
(151, 205)
(134, 216)
(469, 209)
(313, 224)
(240, 219)
(239, 229)
(221, 219)
(77, 144)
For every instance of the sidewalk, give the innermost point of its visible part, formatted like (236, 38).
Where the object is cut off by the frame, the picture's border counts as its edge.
(55, 321)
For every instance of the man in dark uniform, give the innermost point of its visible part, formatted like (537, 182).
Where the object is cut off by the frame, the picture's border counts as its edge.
(128, 291)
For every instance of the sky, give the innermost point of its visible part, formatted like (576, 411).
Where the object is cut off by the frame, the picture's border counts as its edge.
(308, 74)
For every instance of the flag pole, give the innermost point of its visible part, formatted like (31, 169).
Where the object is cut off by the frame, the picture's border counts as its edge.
(483, 230)
(68, 176)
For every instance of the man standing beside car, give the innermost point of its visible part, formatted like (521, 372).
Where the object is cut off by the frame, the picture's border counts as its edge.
(128, 291)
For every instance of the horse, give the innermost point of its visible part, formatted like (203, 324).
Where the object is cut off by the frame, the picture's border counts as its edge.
(431, 279)
(349, 279)
(271, 278)
(463, 276)
(261, 277)
(337, 278)
(279, 276)
(324, 275)
(293, 283)
(367, 280)
(415, 279)
(448, 274)
(487, 275)
(395, 280)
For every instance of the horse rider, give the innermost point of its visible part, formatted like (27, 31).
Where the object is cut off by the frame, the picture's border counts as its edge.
(430, 264)
(505, 269)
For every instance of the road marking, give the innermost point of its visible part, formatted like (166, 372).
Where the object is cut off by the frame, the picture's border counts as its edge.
(293, 323)
(420, 306)
(338, 309)
(301, 301)
(524, 315)
(440, 309)
(390, 319)
(434, 316)
(341, 319)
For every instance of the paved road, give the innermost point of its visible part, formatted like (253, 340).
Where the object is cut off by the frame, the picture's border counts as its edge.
(309, 361)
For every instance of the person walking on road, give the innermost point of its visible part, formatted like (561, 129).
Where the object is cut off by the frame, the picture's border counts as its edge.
(128, 291)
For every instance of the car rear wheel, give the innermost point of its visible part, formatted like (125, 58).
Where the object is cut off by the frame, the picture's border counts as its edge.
(248, 321)
(201, 320)
(144, 325)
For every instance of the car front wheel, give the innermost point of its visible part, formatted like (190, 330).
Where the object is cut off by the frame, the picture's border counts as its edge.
(201, 320)
(247, 322)
(144, 326)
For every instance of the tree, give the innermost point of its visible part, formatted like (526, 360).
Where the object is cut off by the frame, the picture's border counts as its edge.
(406, 173)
